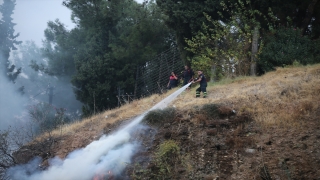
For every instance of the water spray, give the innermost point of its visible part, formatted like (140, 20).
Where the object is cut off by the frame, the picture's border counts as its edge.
(108, 155)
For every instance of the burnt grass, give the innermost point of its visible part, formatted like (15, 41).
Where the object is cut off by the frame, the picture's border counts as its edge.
(205, 139)
(216, 143)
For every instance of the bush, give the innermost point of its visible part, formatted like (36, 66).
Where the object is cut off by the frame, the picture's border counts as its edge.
(158, 117)
(168, 151)
(286, 46)
(48, 117)
(210, 110)
(167, 156)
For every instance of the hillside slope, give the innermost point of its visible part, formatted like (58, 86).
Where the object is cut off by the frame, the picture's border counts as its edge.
(274, 133)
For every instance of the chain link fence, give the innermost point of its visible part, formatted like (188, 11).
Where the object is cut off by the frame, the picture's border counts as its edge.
(153, 77)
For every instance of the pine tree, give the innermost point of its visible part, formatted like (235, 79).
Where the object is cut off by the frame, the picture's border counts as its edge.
(8, 40)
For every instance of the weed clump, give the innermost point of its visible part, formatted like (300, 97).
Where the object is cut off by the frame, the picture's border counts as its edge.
(167, 156)
(164, 164)
(168, 151)
(158, 117)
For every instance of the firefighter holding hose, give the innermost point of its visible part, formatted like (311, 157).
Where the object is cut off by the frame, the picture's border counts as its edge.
(187, 75)
(203, 85)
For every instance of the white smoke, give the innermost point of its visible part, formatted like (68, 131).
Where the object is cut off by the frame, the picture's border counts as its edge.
(11, 103)
(109, 153)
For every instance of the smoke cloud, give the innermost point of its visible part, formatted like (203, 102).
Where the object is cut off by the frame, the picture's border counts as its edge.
(12, 104)
(109, 153)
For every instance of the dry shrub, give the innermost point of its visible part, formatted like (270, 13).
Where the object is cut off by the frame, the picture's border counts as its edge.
(159, 117)
(200, 119)
(210, 110)
(225, 111)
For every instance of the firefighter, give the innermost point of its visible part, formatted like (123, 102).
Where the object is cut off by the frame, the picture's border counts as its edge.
(203, 85)
(173, 81)
(187, 75)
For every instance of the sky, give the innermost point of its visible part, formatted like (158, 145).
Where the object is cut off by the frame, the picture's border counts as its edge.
(31, 17)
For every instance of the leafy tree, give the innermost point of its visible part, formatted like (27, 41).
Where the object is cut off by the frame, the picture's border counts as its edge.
(285, 46)
(300, 14)
(95, 80)
(226, 47)
(58, 48)
(186, 17)
(8, 40)
(139, 37)
(111, 39)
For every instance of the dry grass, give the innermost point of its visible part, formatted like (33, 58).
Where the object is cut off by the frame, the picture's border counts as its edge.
(285, 97)
(96, 123)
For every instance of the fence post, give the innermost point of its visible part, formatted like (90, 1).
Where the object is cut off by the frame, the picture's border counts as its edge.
(136, 83)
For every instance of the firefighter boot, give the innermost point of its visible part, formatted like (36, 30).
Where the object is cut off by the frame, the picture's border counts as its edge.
(204, 94)
(197, 94)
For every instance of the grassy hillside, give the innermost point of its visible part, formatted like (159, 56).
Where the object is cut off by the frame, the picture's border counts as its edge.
(282, 128)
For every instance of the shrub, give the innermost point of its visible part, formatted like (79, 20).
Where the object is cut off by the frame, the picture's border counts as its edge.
(166, 157)
(48, 117)
(158, 117)
(210, 110)
(286, 47)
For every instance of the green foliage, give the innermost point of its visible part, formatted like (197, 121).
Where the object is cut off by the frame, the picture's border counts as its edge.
(202, 63)
(167, 156)
(111, 40)
(226, 44)
(303, 15)
(186, 17)
(286, 47)
(167, 151)
(59, 47)
(159, 117)
(163, 165)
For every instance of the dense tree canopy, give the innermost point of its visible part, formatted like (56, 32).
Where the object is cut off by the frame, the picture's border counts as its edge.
(186, 18)
(102, 53)
(112, 38)
(225, 32)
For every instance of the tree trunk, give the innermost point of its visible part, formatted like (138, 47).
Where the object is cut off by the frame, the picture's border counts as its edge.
(213, 73)
(308, 17)
(254, 51)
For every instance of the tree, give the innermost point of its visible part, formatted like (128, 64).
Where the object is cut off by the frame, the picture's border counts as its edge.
(286, 46)
(8, 40)
(186, 18)
(300, 14)
(116, 37)
(227, 45)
